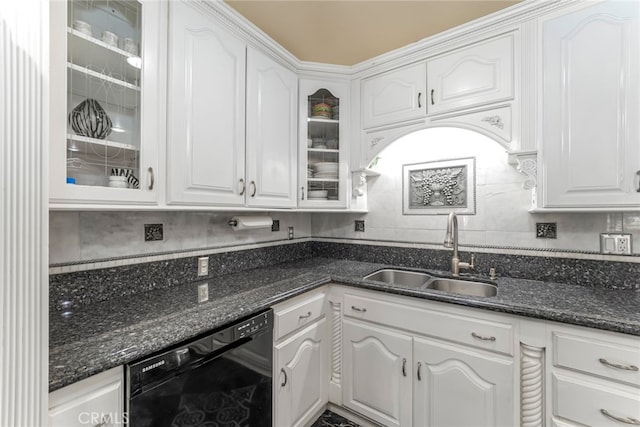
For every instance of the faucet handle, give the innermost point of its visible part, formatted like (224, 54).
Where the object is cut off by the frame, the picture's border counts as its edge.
(473, 258)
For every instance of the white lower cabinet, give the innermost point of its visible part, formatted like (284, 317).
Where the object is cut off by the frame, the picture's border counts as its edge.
(450, 377)
(300, 359)
(301, 381)
(97, 400)
(376, 367)
(408, 362)
(594, 379)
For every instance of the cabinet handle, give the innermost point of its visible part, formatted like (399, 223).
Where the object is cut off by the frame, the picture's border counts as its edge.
(419, 99)
(361, 310)
(305, 316)
(151, 178)
(302, 193)
(244, 186)
(617, 366)
(284, 382)
(480, 337)
(106, 419)
(626, 420)
(404, 367)
(638, 181)
(255, 188)
(432, 91)
(419, 366)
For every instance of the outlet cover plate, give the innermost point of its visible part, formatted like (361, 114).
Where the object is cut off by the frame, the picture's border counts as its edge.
(203, 292)
(203, 266)
(615, 243)
(359, 225)
(153, 232)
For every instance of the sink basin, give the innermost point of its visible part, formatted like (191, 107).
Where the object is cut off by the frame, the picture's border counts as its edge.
(465, 287)
(409, 279)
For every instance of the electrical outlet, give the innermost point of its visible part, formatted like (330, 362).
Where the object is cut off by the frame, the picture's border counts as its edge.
(359, 225)
(290, 233)
(615, 243)
(153, 232)
(203, 292)
(203, 266)
(275, 225)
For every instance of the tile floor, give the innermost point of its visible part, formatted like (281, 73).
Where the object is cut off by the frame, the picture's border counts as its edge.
(329, 419)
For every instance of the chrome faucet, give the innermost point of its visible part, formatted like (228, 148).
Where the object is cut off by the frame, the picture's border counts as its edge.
(451, 240)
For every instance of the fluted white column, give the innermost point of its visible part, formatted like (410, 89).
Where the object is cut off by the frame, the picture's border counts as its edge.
(23, 212)
(531, 386)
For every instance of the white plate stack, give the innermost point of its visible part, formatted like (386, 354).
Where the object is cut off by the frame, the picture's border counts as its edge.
(326, 170)
(318, 194)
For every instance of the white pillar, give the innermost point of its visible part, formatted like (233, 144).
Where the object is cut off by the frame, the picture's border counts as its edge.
(24, 70)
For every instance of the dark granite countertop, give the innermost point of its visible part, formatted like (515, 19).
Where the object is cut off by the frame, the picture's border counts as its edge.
(103, 335)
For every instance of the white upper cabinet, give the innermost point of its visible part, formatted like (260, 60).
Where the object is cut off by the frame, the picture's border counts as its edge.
(106, 101)
(272, 161)
(590, 146)
(206, 111)
(476, 75)
(396, 96)
(217, 89)
(323, 165)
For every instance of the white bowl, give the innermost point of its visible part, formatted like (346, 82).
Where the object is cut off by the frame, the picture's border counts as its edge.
(83, 27)
(326, 167)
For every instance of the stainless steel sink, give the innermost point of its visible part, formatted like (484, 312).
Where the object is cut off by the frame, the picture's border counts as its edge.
(409, 279)
(464, 287)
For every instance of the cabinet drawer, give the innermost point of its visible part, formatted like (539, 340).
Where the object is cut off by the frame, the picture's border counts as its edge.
(583, 401)
(490, 335)
(296, 313)
(97, 399)
(607, 358)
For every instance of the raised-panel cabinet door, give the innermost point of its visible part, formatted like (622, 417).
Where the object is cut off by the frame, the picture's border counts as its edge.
(205, 146)
(377, 369)
(457, 386)
(590, 107)
(394, 97)
(97, 400)
(476, 75)
(301, 377)
(272, 161)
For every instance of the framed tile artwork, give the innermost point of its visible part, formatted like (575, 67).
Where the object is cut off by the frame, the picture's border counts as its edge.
(440, 187)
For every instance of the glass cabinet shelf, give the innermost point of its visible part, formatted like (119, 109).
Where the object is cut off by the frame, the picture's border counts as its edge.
(90, 53)
(84, 82)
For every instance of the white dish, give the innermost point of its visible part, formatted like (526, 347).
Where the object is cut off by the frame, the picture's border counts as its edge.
(327, 175)
(317, 194)
(83, 27)
(326, 167)
(110, 38)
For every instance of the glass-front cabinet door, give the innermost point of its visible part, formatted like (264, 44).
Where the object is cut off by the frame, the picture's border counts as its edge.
(323, 163)
(105, 101)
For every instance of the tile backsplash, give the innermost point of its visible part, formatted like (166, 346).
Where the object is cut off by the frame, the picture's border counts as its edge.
(87, 236)
(502, 218)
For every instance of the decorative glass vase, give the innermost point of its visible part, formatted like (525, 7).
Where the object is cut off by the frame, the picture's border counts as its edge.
(89, 119)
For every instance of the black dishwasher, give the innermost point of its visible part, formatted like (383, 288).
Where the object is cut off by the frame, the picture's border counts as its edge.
(222, 379)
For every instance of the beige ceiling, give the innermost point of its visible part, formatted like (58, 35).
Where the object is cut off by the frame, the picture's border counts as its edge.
(346, 32)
